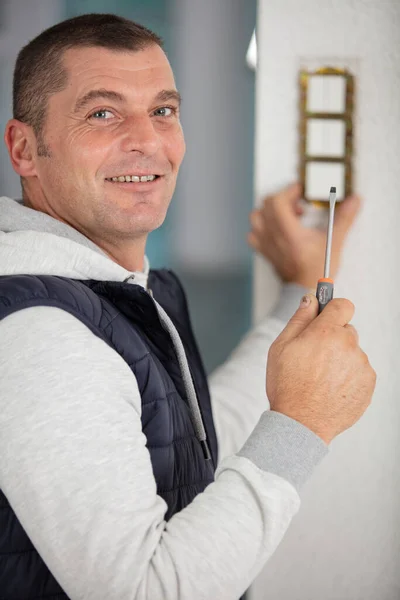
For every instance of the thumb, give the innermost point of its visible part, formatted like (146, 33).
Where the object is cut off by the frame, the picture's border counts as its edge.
(345, 215)
(305, 314)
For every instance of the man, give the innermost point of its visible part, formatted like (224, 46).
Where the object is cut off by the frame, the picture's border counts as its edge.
(120, 477)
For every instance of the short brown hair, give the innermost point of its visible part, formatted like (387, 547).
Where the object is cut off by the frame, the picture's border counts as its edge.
(39, 71)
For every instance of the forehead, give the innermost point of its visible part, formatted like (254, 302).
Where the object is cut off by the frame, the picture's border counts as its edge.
(143, 71)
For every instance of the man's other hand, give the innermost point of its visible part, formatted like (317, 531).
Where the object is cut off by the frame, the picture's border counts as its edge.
(297, 252)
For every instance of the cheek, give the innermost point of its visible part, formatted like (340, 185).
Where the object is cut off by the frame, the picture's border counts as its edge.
(87, 153)
(182, 148)
(81, 148)
(175, 147)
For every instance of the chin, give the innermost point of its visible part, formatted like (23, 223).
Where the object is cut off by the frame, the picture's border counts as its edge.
(141, 214)
(144, 222)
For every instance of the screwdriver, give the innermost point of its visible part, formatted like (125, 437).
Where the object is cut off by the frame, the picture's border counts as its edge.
(325, 285)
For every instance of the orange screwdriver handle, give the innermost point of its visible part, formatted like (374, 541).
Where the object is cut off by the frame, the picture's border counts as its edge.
(324, 293)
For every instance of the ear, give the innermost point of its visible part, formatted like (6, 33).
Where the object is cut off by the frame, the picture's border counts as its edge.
(21, 144)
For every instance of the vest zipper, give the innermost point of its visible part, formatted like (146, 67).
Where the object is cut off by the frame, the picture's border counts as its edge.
(195, 413)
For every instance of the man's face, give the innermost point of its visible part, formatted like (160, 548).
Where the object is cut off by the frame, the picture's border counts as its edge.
(131, 128)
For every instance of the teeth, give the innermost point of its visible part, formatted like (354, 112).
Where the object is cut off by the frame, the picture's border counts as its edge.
(134, 178)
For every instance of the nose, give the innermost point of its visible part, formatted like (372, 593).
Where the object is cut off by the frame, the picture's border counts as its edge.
(140, 136)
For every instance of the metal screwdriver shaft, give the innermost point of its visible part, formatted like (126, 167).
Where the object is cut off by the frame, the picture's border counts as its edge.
(332, 201)
(325, 285)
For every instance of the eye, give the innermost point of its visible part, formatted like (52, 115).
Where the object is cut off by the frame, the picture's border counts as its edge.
(99, 115)
(165, 111)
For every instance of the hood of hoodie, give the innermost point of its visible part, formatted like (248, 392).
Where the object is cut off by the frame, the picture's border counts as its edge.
(35, 243)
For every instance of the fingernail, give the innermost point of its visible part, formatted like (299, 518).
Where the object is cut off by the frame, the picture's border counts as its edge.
(305, 301)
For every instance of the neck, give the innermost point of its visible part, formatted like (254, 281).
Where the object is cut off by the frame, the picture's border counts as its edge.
(131, 259)
(129, 253)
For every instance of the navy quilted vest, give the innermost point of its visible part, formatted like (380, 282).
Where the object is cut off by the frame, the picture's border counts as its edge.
(124, 316)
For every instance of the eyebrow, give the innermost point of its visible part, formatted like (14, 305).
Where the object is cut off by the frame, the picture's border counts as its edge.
(163, 96)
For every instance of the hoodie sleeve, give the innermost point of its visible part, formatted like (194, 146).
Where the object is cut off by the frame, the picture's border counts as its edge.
(75, 469)
(238, 387)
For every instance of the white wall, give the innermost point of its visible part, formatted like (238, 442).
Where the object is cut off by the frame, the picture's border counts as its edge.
(344, 544)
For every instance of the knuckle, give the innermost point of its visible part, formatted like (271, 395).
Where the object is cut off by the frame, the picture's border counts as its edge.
(352, 335)
(366, 371)
(254, 217)
(258, 222)
(267, 201)
(274, 202)
(365, 358)
(273, 349)
(253, 240)
(345, 342)
(352, 342)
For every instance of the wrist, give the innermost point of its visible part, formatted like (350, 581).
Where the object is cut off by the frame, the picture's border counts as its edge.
(321, 432)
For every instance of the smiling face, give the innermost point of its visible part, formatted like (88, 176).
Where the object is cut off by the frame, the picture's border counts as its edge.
(118, 116)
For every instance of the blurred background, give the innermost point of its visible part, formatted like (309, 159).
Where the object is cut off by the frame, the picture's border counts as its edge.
(204, 236)
(344, 543)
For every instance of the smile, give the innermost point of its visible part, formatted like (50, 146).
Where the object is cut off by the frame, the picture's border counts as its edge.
(132, 178)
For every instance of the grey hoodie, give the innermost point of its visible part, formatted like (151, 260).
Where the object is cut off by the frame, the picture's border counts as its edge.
(73, 459)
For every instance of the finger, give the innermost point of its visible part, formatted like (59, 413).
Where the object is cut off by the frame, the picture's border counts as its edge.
(290, 193)
(293, 190)
(253, 241)
(338, 311)
(353, 331)
(256, 221)
(345, 215)
(289, 196)
(301, 319)
(299, 209)
(286, 205)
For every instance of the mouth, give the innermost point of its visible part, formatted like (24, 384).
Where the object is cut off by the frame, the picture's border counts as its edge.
(139, 183)
(133, 178)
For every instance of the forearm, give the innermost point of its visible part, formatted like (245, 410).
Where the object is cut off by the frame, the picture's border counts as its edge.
(238, 386)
